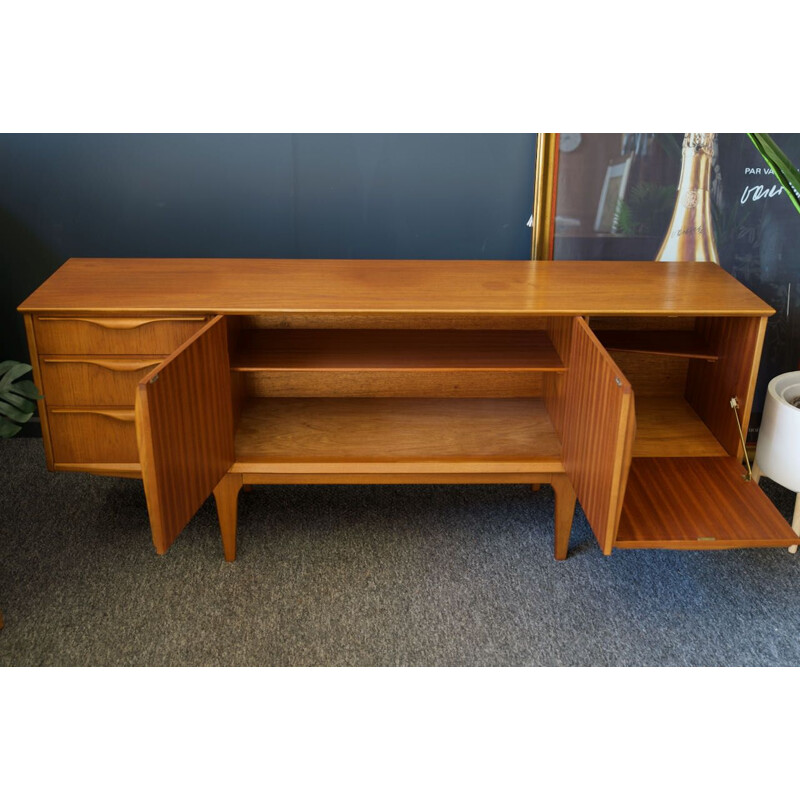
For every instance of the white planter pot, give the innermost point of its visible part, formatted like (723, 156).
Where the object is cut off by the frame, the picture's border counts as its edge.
(778, 448)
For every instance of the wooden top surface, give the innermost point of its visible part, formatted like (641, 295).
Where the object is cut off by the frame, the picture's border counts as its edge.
(248, 286)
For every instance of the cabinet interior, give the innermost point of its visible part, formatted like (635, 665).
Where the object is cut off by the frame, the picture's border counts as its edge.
(471, 393)
(419, 397)
(683, 371)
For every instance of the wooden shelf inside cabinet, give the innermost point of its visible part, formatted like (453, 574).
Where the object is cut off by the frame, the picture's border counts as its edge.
(685, 344)
(416, 350)
(396, 435)
(669, 426)
(697, 504)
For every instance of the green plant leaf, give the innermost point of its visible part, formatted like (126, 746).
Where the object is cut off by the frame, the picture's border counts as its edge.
(786, 173)
(670, 145)
(26, 389)
(646, 209)
(7, 410)
(16, 398)
(8, 429)
(16, 371)
(22, 403)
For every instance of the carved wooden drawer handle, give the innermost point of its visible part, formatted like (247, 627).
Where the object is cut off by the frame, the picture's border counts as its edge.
(115, 365)
(121, 414)
(121, 323)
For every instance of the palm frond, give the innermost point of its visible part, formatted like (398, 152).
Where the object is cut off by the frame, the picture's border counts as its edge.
(786, 173)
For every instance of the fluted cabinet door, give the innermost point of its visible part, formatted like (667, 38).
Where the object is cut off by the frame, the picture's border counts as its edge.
(598, 428)
(184, 428)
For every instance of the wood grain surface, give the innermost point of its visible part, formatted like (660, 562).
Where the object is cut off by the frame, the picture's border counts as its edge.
(118, 470)
(113, 335)
(394, 363)
(391, 435)
(668, 426)
(565, 511)
(641, 323)
(269, 477)
(391, 383)
(400, 350)
(560, 330)
(698, 504)
(598, 413)
(685, 344)
(184, 428)
(252, 286)
(93, 435)
(226, 494)
(99, 380)
(392, 320)
(41, 405)
(709, 387)
(653, 375)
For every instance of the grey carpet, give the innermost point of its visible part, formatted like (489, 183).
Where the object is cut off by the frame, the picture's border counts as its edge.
(395, 575)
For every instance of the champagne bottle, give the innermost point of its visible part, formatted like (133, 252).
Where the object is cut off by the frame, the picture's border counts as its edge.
(690, 235)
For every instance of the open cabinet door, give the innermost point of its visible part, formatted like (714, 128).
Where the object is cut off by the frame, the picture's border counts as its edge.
(598, 428)
(184, 427)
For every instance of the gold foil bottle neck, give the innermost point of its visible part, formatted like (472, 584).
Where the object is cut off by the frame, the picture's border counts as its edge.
(690, 236)
(700, 142)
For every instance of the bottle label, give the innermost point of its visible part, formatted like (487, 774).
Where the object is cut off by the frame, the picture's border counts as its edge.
(698, 229)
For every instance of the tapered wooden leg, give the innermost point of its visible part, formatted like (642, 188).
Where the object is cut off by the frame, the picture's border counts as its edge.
(565, 511)
(226, 495)
(796, 521)
(536, 486)
(756, 472)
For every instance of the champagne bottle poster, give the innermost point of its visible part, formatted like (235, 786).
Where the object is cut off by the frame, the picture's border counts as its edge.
(758, 237)
(691, 197)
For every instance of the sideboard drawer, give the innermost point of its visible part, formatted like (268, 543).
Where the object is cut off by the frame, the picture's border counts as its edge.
(93, 435)
(98, 381)
(113, 335)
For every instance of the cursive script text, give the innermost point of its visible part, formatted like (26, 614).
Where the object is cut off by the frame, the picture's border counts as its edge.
(759, 192)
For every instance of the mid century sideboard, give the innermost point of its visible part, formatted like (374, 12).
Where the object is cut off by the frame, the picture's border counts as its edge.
(624, 383)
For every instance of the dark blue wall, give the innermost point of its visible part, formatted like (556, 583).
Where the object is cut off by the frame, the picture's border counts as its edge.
(255, 195)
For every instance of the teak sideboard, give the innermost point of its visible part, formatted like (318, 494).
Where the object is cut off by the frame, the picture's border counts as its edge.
(612, 381)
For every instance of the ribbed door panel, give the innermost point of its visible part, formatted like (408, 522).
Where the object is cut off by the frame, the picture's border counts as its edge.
(184, 425)
(598, 428)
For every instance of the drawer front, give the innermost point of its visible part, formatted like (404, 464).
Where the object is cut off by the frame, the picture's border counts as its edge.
(93, 436)
(113, 335)
(80, 381)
